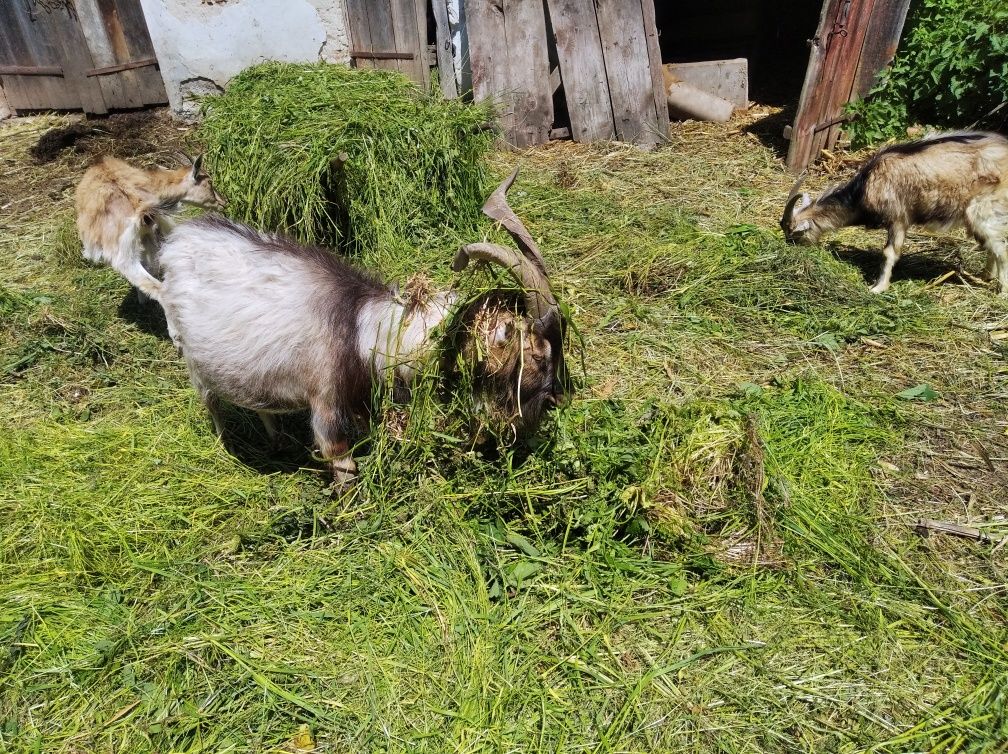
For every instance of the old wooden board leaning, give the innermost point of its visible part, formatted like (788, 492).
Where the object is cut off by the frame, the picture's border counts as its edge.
(628, 71)
(854, 41)
(582, 68)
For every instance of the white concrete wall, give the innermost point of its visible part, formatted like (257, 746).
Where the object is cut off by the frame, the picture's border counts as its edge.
(202, 44)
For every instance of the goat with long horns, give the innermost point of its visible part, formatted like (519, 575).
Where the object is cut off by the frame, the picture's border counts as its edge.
(942, 181)
(273, 326)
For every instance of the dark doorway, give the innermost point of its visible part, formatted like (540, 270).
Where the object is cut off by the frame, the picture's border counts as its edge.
(772, 34)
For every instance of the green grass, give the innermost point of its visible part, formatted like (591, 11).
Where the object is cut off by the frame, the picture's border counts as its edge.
(709, 550)
(354, 157)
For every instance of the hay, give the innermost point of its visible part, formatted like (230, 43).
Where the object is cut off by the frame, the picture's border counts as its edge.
(356, 158)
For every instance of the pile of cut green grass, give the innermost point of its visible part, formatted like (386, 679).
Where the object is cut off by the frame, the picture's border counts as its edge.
(352, 157)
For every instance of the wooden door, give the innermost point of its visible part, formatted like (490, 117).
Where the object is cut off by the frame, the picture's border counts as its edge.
(855, 40)
(609, 67)
(91, 55)
(390, 34)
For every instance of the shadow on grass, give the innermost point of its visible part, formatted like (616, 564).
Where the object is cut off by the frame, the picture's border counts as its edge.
(770, 131)
(921, 266)
(146, 316)
(246, 440)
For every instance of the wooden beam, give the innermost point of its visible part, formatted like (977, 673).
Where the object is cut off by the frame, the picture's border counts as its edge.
(31, 70)
(122, 67)
(365, 55)
(445, 53)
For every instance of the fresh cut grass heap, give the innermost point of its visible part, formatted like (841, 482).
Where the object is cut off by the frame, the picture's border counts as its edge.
(357, 158)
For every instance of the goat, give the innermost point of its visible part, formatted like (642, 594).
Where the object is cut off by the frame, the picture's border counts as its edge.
(270, 325)
(942, 181)
(123, 211)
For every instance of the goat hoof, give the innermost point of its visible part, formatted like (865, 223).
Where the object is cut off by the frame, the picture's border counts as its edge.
(878, 289)
(344, 472)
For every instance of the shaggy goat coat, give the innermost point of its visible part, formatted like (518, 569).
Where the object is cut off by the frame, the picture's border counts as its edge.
(269, 325)
(941, 182)
(122, 211)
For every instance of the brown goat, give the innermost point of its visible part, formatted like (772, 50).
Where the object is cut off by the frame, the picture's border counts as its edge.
(942, 182)
(123, 210)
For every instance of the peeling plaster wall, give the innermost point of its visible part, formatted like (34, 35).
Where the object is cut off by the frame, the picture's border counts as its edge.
(202, 44)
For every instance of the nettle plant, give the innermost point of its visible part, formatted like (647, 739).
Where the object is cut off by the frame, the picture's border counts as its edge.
(951, 71)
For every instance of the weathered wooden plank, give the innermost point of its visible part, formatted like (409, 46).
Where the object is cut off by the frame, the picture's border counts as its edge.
(445, 54)
(114, 89)
(151, 85)
(628, 71)
(800, 148)
(655, 66)
(881, 41)
(16, 95)
(360, 31)
(31, 70)
(843, 80)
(383, 32)
(423, 50)
(488, 58)
(528, 72)
(582, 67)
(24, 47)
(405, 32)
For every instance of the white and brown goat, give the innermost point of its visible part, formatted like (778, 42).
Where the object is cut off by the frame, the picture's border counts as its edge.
(270, 325)
(123, 211)
(943, 181)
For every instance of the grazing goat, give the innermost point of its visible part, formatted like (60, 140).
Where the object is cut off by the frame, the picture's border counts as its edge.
(269, 325)
(942, 181)
(123, 211)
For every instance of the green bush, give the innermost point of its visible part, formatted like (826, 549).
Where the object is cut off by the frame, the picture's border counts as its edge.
(950, 72)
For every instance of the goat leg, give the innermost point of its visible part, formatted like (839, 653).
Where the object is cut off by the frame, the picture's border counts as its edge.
(891, 252)
(329, 428)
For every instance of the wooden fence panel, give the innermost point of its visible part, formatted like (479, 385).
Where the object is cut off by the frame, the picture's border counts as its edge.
(628, 71)
(29, 43)
(582, 68)
(510, 65)
(390, 34)
(81, 41)
(488, 59)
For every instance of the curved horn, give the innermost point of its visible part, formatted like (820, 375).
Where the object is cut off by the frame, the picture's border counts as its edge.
(539, 300)
(498, 209)
(793, 196)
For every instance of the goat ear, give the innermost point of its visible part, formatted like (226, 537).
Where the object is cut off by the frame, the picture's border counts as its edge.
(197, 166)
(803, 202)
(802, 226)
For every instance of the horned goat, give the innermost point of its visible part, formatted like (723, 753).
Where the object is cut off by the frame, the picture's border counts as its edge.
(123, 211)
(270, 325)
(941, 181)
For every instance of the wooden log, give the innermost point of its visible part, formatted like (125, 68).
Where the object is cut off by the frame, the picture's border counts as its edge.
(687, 101)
